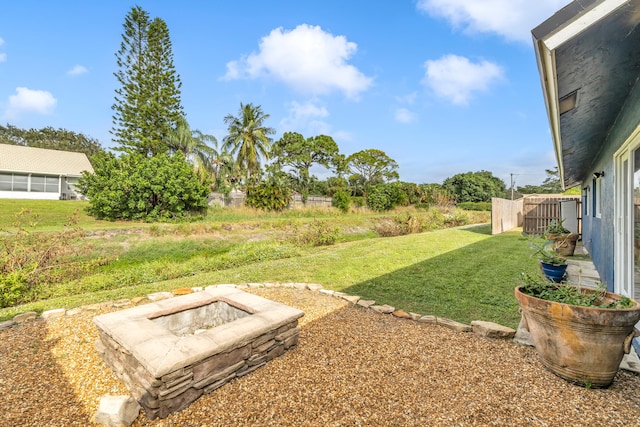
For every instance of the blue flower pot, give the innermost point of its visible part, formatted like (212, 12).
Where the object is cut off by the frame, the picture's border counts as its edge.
(553, 272)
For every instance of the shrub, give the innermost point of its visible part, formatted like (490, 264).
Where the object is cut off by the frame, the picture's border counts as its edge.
(475, 206)
(341, 200)
(274, 194)
(134, 187)
(357, 201)
(384, 197)
(399, 225)
(29, 259)
(319, 233)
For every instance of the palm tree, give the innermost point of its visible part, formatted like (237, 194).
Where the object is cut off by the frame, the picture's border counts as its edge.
(226, 172)
(193, 144)
(248, 137)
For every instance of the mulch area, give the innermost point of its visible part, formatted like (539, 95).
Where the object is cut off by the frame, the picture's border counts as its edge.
(352, 367)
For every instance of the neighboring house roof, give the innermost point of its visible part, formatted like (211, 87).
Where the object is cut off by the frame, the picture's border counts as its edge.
(588, 56)
(16, 158)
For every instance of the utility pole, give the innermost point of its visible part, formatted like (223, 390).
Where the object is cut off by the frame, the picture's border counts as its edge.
(512, 184)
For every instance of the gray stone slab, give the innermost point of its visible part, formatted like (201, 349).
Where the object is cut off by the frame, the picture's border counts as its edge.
(53, 314)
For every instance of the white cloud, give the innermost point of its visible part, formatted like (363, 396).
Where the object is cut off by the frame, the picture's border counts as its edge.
(307, 59)
(1, 41)
(305, 118)
(27, 100)
(3, 57)
(456, 78)
(403, 115)
(77, 70)
(407, 99)
(511, 19)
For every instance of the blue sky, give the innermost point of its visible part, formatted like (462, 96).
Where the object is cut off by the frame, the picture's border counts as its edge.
(442, 86)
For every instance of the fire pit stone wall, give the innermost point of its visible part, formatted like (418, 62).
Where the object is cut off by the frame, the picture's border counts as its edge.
(171, 352)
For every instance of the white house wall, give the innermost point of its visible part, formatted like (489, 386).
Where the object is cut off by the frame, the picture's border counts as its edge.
(32, 195)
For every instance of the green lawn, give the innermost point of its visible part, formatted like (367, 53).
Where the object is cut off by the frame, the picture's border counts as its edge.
(464, 274)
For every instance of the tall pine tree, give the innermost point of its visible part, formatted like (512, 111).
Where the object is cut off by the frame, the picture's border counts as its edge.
(147, 106)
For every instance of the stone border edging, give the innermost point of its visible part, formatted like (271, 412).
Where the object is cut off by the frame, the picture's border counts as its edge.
(479, 327)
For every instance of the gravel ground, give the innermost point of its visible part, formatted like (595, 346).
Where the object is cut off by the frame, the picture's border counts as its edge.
(351, 367)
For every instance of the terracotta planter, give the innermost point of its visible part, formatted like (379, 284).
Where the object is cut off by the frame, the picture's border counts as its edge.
(584, 345)
(563, 244)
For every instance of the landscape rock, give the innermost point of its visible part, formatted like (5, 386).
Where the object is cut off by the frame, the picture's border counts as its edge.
(415, 316)
(74, 311)
(366, 303)
(157, 296)
(351, 298)
(255, 285)
(384, 309)
(182, 291)
(117, 411)
(53, 314)
(428, 319)
(452, 324)
(326, 292)
(7, 324)
(314, 287)
(523, 336)
(492, 330)
(137, 300)
(25, 317)
(401, 314)
(122, 303)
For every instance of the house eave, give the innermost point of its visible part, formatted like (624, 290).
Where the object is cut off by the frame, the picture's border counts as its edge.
(566, 25)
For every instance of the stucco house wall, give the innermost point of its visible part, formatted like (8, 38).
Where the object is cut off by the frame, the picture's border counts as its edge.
(598, 233)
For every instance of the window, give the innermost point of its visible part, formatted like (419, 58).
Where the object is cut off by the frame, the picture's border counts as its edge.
(6, 181)
(20, 182)
(597, 197)
(34, 183)
(585, 201)
(52, 184)
(37, 183)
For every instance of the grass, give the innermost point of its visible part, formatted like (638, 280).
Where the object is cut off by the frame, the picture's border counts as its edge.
(51, 214)
(463, 274)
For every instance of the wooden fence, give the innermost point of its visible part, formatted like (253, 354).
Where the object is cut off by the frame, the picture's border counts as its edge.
(533, 213)
(540, 210)
(505, 214)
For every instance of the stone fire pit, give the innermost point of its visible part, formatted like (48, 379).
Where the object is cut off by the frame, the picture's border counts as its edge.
(170, 352)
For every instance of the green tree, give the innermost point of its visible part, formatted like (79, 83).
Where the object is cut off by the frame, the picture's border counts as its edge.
(298, 153)
(147, 104)
(194, 145)
(474, 186)
(383, 197)
(135, 187)
(53, 139)
(551, 183)
(227, 173)
(248, 138)
(373, 165)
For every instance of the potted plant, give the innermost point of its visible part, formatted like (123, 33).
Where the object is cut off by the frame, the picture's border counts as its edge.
(553, 266)
(581, 334)
(564, 241)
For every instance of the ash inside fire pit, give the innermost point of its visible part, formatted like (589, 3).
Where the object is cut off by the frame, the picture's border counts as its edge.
(170, 352)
